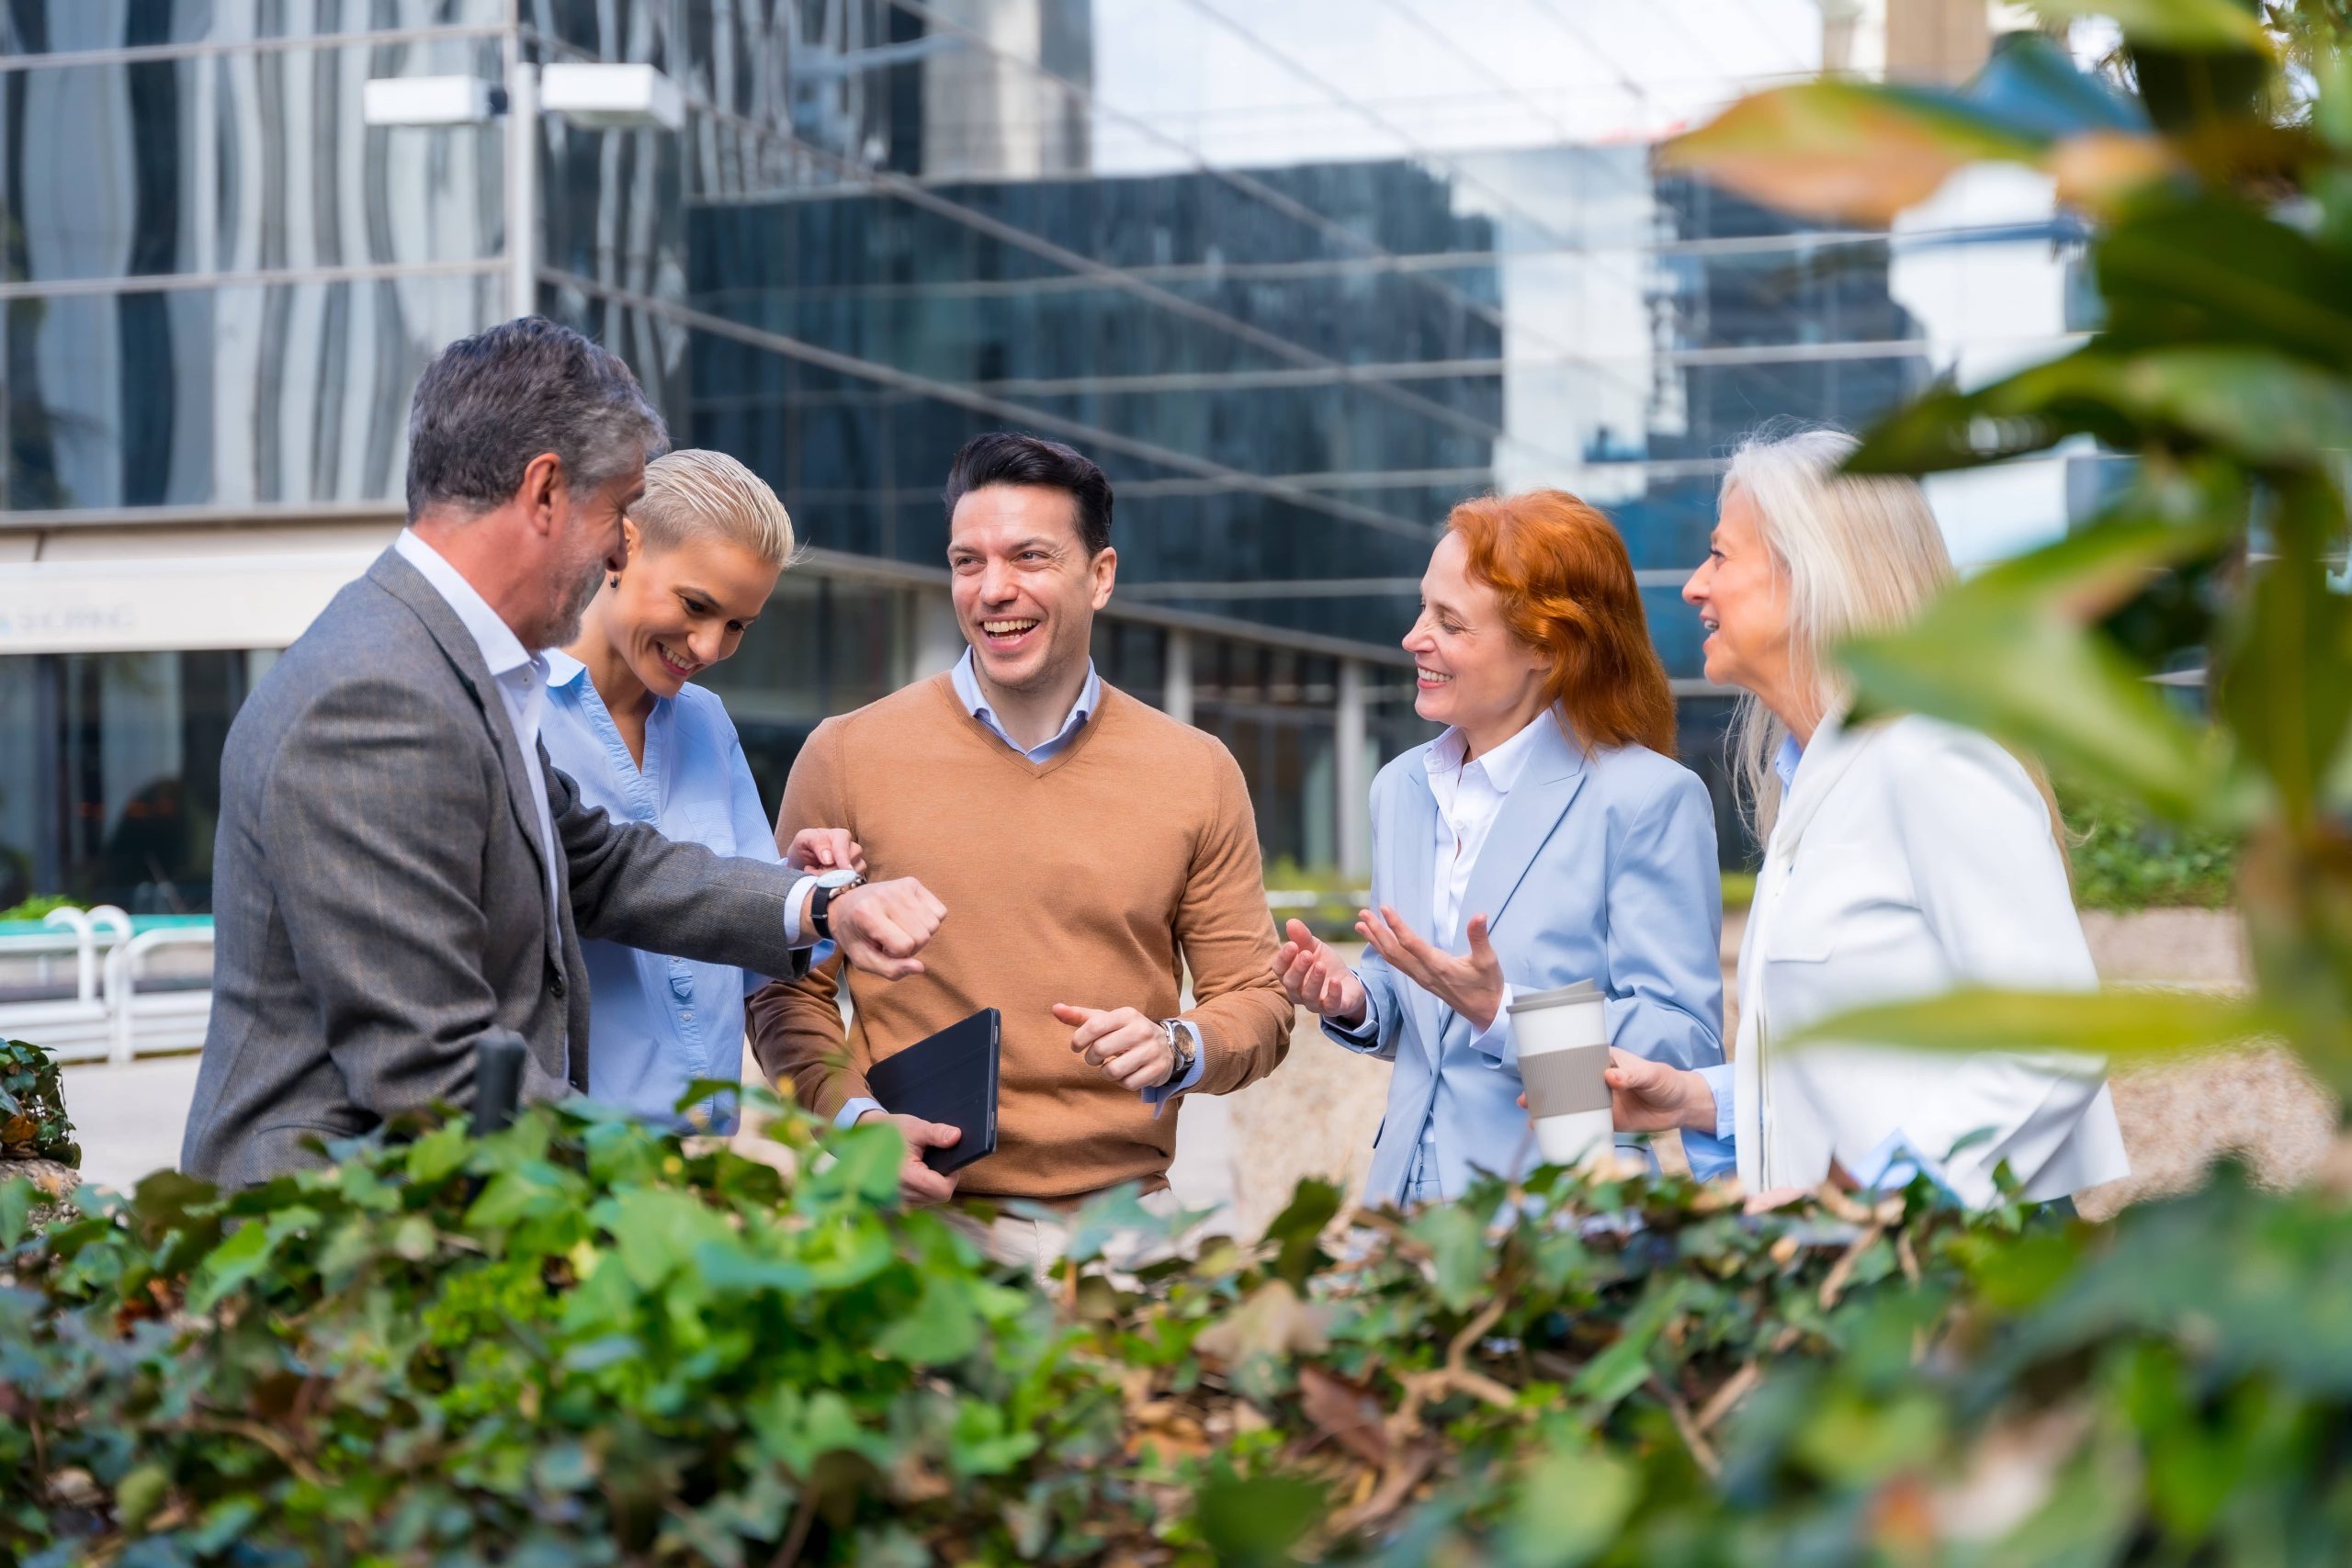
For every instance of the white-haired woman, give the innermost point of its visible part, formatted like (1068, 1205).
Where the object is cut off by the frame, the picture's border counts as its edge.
(1903, 858)
(705, 543)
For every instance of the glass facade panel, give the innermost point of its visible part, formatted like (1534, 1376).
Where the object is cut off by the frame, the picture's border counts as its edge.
(1273, 708)
(110, 775)
(287, 393)
(195, 165)
(1300, 277)
(59, 27)
(824, 647)
(1132, 657)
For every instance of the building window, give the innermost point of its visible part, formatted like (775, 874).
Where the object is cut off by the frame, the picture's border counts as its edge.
(1275, 709)
(823, 646)
(1133, 657)
(110, 775)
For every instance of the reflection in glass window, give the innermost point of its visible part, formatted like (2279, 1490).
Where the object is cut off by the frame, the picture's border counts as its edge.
(1274, 709)
(110, 775)
(294, 392)
(1133, 657)
(822, 647)
(57, 27)
(195, 165)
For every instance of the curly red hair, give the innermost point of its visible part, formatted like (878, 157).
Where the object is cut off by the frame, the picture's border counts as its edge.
(1567, 587)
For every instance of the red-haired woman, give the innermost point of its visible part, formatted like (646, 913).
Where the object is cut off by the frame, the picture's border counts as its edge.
(1547, 836)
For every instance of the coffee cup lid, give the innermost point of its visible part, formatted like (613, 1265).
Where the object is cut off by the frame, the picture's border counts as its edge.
(1582, 991)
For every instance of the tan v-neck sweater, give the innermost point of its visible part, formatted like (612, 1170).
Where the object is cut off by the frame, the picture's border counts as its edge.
(1095, 879)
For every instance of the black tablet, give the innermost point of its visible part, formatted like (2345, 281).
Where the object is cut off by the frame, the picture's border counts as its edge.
(950, 1077)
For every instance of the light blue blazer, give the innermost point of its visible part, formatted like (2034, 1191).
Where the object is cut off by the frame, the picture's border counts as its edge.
(1599, 868)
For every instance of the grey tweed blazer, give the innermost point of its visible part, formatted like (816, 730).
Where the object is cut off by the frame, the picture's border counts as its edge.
(379, 899)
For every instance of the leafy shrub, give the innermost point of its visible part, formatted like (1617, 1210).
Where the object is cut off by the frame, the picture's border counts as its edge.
(2126, 862)
(36, 908)
(577, 1340)
(33, 1124)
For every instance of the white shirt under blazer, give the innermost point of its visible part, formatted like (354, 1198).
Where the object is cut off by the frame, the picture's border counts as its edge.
(1595, 866)
(1911, 857)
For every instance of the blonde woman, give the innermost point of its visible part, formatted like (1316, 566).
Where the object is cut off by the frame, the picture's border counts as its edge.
(1902, 858)
(705, 545)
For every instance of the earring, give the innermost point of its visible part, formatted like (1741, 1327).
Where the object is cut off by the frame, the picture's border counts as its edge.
(613, 580)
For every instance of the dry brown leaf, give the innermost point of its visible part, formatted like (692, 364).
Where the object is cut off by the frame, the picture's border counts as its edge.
(1346, 1413)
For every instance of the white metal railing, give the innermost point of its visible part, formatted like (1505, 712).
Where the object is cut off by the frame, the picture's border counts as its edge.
(1307, 898)
(108, 1018)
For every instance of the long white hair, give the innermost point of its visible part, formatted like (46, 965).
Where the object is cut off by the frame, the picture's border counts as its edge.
(1855, 554)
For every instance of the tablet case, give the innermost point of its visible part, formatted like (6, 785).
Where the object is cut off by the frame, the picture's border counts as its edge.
(950, 1077)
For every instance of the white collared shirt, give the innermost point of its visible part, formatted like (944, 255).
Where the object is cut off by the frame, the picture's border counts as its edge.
(520, 674)
(1469, 798)
(1470, 795)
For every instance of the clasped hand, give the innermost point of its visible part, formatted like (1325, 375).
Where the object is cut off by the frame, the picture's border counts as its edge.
(879, 926)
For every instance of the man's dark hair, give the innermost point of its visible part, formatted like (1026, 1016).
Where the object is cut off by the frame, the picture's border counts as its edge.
(490, 403)
(1006, 457)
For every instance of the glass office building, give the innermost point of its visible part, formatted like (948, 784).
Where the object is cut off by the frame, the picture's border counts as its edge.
(1298, 276)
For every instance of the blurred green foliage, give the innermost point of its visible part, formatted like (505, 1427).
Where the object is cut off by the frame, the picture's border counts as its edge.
(36, 908)
(2126, 861)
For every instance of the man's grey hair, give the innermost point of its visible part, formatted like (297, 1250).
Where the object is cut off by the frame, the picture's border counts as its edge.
(490, 403)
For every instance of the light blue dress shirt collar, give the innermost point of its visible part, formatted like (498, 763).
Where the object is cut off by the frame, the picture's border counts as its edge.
(1785, 761)
(658, 1022)
(967, 691)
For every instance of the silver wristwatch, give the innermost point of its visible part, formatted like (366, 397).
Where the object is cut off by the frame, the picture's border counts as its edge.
(829, 886)
(1180, 1045)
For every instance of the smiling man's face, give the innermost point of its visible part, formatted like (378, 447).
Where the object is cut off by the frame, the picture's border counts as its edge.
(1026, 588)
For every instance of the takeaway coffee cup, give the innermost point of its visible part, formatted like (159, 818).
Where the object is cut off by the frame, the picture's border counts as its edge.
(1563, 1039)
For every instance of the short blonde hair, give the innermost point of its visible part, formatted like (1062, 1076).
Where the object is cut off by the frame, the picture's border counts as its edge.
(699, 494)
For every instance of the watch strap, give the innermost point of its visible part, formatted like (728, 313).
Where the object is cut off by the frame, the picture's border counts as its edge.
(820, 906)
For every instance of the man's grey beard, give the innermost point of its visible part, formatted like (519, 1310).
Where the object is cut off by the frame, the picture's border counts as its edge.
(563, 628)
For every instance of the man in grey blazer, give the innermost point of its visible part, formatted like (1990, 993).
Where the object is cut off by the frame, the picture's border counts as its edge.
(400, 871)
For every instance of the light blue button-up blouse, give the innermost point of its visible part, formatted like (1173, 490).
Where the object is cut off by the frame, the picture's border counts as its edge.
(656, 1023)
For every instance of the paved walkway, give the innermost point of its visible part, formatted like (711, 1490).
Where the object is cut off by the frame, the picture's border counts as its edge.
(128, 1119)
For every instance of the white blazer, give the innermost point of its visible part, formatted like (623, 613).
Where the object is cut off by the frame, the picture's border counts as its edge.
(1910, 857)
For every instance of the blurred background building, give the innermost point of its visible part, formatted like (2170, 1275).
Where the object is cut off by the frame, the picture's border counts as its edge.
(1298, 274)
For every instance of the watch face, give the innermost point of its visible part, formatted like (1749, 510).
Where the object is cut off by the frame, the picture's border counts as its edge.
(837, 879)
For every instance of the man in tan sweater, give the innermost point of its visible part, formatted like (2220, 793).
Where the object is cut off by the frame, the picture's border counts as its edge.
(1092, 848)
